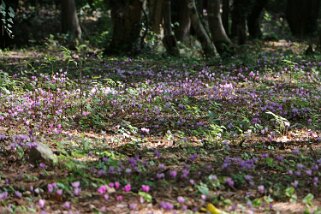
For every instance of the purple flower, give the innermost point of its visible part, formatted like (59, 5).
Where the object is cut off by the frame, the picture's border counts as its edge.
(261, 189)
(3, 196)
(18, 194)
(180, 199)
(157, 154)
(166, 205)
(102, 189)
(145, 188)
(308, 172)
(127, 188)
(132, 206)
(160, 175)
(295, 184)
(75, 184)
(41, 203)
(51, 187)
(59, 192)
(185, 173)
(144, 130)
(116, 185)
(119, 198)
(67, 205)
(315, 181)
(106, 197)
(193, 157)
(42, 166)
(77, 191)
(229, 181)
(173, 173)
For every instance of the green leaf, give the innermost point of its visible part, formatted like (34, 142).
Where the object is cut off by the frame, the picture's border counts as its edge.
(147, 197)
(308, 199)
(203, 189)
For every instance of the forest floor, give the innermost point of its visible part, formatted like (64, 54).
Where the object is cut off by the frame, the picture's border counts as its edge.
(161, 135)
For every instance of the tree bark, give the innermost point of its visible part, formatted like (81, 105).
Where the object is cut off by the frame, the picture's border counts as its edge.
(239, 14)
(219, 37)
(226, 16)
(253, 19)
(126, 20)
(302, 16)
(201, 34)
(69, 19)
(180, 14)
(155, 8)
(169, 39)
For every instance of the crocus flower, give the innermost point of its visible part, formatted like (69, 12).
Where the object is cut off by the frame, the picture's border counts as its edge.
(102, 189)
(18, 194)
(261, 189)
(229, 181)
(119, 197)
(145, 188)
(180, 199)
(3, 196)
(127, 188)
(41, 203)
(166, 205)
(67, 205)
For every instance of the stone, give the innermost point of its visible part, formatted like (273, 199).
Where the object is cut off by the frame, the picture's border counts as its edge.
(42, 154)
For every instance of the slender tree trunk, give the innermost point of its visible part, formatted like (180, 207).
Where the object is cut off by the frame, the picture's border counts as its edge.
(239, 14)
(126, 20)
(219, 37)
(202, 35)
(169, 39)
(180, 14)
(302, 16)
(226, 15)
(155, 7)
(69, 19)
(253, 19)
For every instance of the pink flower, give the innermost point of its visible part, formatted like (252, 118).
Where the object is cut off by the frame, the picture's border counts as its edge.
(173, 173)
(75, 184)
(145, 130)
(145, 188)
(180, 199)
(106, 197)
(3, 196)
(119, 197)
(102, 189)
(59, 191)
(67, 205)
(85, 113)
(261, 189)
(41, 203)
(127, 188)
(116, 185)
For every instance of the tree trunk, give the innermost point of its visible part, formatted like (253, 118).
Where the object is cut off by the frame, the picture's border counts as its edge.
(302, 16)
(226, 16)
(169, 39)
(126, 18)
(239, 14)
(219, 37)
(180, 14)
(202, 35)
(69, 19)
(155, 8)
(253, 19)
